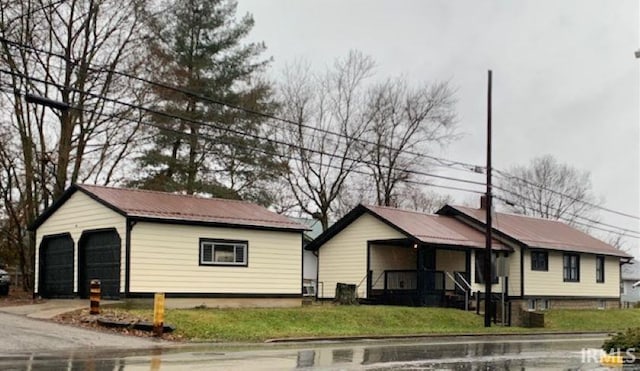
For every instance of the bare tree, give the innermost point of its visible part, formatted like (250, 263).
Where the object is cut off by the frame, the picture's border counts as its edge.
(550, 190)
(321, 163)
(419, 199)
(406, 123)
(65, 51)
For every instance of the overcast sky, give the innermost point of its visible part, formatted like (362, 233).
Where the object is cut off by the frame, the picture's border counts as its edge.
(566, 82)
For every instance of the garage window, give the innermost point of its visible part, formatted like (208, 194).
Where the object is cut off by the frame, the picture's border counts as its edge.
(223, 252)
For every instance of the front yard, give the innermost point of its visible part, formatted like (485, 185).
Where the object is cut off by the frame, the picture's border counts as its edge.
(259, 324)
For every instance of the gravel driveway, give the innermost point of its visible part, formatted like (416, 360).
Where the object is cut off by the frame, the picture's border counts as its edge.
(22, 334)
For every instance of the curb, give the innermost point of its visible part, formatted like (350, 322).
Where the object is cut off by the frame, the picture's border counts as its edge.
(428, 336)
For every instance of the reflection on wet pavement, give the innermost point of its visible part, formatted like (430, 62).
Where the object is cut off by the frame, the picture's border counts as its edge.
(454, 353)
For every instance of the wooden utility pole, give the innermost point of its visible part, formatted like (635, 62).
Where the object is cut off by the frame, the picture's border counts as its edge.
(487, 256)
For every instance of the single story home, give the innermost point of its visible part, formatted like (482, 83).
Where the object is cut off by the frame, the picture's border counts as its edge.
(138, 242)
(630, 285)
(404, 257)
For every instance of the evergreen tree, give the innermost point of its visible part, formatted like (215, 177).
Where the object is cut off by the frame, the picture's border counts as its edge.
(197, 46)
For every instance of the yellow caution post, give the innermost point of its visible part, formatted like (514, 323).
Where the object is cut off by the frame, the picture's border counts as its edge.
(94, 296)
(158, 314)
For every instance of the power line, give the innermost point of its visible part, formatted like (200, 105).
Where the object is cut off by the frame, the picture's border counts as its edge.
(444, 162)
(254, 136)
(540, 186)
(619, 230)
(290, 157)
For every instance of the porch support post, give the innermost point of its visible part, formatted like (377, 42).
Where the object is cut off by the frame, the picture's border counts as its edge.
(420, 275)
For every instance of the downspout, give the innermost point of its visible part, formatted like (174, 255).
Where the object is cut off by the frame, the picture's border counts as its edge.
(127, 267)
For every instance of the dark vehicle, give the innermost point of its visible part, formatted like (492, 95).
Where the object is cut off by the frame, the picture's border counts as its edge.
(5, 281)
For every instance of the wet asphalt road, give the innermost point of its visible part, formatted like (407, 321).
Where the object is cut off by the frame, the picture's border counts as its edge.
(19, 334)
(450, 353)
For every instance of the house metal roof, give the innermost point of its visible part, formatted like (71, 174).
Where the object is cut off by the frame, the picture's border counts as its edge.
(426, 228)
(436, 229)
(185, 209)
(539, 233)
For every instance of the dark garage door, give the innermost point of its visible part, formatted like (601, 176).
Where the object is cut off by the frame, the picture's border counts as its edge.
(99, 258)
(56, 267)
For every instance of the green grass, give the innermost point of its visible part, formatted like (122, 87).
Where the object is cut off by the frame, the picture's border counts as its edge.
(592, 320)
(259, 324)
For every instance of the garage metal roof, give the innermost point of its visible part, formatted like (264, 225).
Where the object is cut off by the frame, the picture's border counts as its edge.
(184, 209)
(539, 233)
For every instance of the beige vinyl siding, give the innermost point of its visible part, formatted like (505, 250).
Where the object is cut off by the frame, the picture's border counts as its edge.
(551, 283)
(450, 261)
(82, 213)
(514, 270)
(344, 257)
(165, 257)
(390, 258)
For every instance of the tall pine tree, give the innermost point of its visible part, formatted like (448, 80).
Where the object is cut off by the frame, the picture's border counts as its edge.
(197, 46)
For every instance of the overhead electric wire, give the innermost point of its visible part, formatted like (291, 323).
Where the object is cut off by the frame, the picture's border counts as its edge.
(444, 162)
(504, 174)
(290, 157)
(254, 136)
(587, 225)
(619, 230)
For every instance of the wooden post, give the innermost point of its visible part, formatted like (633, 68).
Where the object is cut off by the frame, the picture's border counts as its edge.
(94, 296)
(158, 314)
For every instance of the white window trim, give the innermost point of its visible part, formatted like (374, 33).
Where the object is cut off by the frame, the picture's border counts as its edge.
(244, 245)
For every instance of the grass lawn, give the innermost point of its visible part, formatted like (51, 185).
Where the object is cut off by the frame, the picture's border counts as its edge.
(592, 320)
(259, 324)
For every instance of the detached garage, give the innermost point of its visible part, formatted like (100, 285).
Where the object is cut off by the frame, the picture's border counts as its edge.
(140, 242)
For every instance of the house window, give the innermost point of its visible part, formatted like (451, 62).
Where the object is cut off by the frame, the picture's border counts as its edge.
(539, 260)
(223, 252)
(600, 269)
(571, 267)
(531, 304)
(479, 276)
(602, 304)
(543, 304)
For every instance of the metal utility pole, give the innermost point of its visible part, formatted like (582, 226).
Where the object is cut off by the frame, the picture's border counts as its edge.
(487, 256)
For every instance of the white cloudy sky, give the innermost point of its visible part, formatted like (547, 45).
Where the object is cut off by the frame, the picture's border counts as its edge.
(566, 82)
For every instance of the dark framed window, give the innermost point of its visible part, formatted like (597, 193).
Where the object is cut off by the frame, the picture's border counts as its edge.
(479, 275)
(539, 260)
(571, 267)
(600, 269)
(224, 252)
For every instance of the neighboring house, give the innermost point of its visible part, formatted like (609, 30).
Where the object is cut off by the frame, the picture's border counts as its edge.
(630, 286)
(407, 257)
(309, 258)
(140, 242)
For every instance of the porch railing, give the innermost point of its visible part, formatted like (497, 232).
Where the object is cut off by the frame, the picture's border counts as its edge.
(408, 280)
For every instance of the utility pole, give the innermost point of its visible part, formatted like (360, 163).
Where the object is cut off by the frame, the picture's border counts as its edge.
(487, 256)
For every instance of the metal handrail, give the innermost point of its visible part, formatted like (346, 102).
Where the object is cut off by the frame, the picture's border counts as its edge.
(459, 275)
(466, 290)
(377, 279)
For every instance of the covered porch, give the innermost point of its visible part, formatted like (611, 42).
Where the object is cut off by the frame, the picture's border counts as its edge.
(407, 272)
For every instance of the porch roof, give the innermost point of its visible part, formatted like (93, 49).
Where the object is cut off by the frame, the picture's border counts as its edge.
(434, 229)
(417, 226)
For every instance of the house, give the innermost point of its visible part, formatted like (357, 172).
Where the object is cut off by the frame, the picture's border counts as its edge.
(309, 259)
(138, 242)
(630, 285)
(395, 255)
(403, 257)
